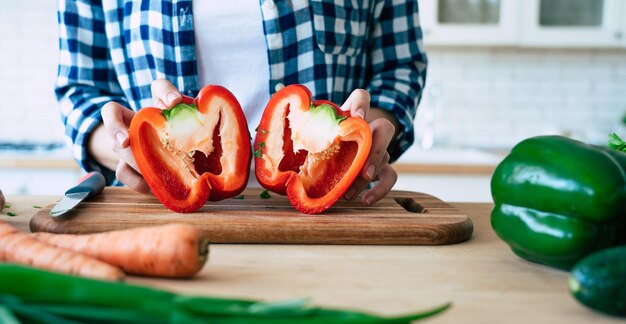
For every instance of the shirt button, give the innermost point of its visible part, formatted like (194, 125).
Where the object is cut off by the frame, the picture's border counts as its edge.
(278, 86)
(269, 4)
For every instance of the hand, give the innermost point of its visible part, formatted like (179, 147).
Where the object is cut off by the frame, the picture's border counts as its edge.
(116, 121)
(376, 166)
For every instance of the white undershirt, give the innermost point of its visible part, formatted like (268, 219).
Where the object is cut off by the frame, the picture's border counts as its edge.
(231, 52)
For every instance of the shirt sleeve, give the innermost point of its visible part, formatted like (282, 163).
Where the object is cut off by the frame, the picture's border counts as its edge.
(398, 67)
(86, 80)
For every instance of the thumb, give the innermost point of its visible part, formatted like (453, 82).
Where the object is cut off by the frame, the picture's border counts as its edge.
(165, 94)
(358, 103)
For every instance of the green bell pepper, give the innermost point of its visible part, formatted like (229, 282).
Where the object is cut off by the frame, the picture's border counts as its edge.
(558, 199)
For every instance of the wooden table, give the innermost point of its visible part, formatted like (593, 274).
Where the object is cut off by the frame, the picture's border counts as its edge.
(483, 279)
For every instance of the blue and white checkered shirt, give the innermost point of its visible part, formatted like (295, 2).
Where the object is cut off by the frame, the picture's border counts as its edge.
(113, 51)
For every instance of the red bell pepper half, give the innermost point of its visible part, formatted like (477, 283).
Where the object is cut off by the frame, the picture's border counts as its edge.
(196, 151)
(309, 150)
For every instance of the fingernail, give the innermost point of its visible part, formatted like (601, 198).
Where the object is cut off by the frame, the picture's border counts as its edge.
(120, 137)
(171, 97)
(368, 200)
(350, 193)
(159, 104)
(370, 172)
(360, 112)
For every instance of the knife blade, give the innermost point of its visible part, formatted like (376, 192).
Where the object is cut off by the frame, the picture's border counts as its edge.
(89, 185)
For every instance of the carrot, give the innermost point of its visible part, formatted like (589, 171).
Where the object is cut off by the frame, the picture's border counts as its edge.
(19, 247)
(173, 250)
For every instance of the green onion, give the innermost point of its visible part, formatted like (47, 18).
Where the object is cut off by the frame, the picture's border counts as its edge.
(7, 316)
(33, 295)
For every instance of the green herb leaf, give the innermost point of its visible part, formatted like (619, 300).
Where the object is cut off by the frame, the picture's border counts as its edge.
(258, 153)
(7, 206)
(239, 197)
(35, 206)
(262, 144)
(616, 142)
(11, 214)
(265, 194)
(263, 132)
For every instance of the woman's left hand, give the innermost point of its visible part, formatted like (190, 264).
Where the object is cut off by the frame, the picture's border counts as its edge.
(376, 167)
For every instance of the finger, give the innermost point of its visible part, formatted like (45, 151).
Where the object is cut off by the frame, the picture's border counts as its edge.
(361, 183)
(358, 103)
(386, 158)
(382, 134)
(126, 155)
(165, 94)
(357, 186)
(388, 178)
(377, 158)
(116, 119)
(133, 180)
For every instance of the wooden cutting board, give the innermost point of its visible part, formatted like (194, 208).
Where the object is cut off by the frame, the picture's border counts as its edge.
(404, 218)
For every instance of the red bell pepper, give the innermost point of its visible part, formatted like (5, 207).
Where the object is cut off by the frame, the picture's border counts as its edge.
(309, 150)
(198, 150)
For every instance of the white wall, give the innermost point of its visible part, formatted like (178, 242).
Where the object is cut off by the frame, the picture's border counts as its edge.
(28, 58)
(495, 97)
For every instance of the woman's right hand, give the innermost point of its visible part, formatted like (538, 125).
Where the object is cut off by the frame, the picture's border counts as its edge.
(114, 130)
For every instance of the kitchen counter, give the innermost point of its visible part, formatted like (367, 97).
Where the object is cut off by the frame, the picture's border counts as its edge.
(483, 279)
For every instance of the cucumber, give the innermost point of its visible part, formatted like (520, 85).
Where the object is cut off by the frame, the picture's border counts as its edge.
(599, 281)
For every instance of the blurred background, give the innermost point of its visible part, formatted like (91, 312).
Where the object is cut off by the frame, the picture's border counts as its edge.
(499, 71)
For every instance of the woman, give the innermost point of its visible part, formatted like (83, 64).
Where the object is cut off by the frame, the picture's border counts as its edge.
(118, 58)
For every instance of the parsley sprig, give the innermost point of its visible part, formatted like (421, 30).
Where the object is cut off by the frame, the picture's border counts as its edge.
(616, 142)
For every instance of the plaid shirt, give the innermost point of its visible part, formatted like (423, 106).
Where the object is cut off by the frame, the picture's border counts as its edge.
(113, 51)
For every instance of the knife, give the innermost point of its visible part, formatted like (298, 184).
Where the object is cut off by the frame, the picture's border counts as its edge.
(89, 185)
